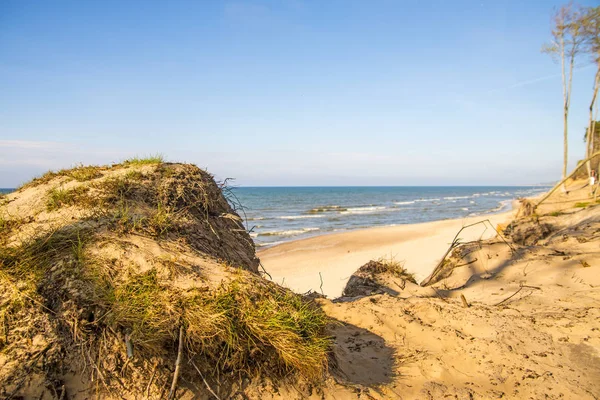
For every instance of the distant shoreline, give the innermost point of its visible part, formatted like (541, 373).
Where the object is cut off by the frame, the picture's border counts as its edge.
(280, 215)
(262, 248)
(301, 264)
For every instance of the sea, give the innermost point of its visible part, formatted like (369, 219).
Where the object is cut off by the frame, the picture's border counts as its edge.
(275, 215)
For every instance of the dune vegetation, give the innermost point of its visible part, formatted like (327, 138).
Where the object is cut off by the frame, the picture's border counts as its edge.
(136, 276)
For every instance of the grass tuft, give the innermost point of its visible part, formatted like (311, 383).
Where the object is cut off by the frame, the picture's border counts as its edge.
(245, 325)
(84, 173)
(58, 198)
(151, 159)
(581, 205)
(391, 266)
(80, 173)
(161, 220)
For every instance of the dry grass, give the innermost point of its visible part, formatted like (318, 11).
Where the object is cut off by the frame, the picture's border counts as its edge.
(390, 266)
(85, 173)
(527, 208)
(246, 325)
(79, 173)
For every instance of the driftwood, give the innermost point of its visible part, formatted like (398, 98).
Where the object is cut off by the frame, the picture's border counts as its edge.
(455, 243)
(559, 184)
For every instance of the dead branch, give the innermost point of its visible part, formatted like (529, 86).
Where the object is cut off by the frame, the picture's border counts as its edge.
(177, 365)
(515, 293)
(559, 184)
(455, 243)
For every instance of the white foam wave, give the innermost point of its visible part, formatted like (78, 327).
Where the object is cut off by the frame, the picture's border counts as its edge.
(300, 216)
(422, 200)
(404, 202)
(502, 206)
(362, 210)
(270, 243)
(457, 197)
(290, 232)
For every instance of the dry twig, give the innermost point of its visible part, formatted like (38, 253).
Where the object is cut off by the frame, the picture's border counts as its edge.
(177, 365)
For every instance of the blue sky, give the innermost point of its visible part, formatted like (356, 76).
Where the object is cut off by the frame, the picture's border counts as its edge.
(288, 92)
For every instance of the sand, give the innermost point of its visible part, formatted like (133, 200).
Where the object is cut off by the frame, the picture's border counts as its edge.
(336, 256)
(531, 329)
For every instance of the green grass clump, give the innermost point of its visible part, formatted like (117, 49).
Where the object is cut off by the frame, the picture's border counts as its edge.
(581, 205)
(143, 307)
(245, 325)
(83, 174)
(152, 159)
(58, 198)
(556, 213)
(261, 323)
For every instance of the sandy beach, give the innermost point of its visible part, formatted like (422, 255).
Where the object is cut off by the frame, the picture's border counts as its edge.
(335, 257)
(500, 321)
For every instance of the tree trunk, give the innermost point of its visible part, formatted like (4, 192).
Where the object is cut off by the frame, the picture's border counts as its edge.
(589, 149)
(566, 101)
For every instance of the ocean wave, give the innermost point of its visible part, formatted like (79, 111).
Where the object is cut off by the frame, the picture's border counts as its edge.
(426, 200)
(300, 216)
(362, 210)
(404, 202)
(290, 232)
(502, 206)
(270, 243)
(464, 209)
(326, 209)
(256, 219)
(457, 197)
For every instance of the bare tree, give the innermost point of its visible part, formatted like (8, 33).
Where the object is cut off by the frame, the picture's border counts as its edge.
(567, 40)
(590, 28)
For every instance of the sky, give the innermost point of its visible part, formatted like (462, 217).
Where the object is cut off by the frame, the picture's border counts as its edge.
(289, 92)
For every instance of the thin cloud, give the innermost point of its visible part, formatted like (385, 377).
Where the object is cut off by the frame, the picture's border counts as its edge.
(31, 144)
(534, 81)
